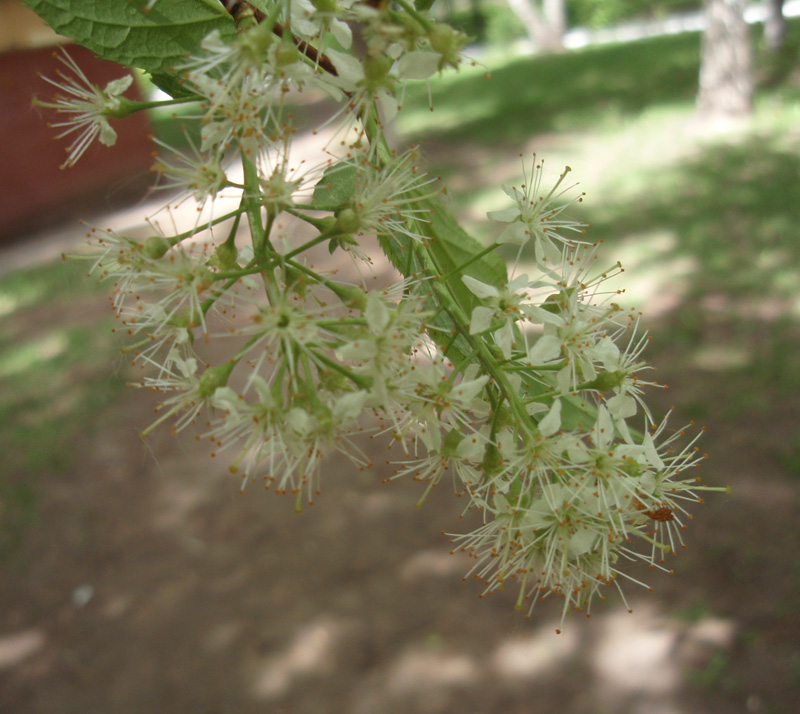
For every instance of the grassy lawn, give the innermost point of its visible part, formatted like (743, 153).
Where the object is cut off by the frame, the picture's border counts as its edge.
(57, 370)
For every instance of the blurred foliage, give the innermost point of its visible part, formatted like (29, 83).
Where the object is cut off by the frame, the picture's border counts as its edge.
(494, 23)
(602, 13)
(573, 91)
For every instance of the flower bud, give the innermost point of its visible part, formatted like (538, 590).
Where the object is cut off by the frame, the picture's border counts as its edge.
(326, 6)
(447, 42)
(286, 54)
(347, 221)
(155, 247)
(376, 68)
(227, 255)
(213, 378)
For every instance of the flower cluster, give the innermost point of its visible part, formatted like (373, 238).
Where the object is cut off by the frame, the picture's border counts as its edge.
(528, 389)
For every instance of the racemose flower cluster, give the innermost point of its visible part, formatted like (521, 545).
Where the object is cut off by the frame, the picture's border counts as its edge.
(527, 390)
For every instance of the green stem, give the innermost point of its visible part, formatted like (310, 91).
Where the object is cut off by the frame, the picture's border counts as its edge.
(258, 231)
(474, 259)
(411, 10)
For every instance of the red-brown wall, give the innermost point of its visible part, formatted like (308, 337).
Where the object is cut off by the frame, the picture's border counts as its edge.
(34, 191)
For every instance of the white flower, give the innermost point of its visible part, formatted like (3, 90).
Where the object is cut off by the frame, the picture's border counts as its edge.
(387, 201)
(190, 391)
(508, 304)
(87, 107)
(311, 431)
(244, 83)
(621, 376)
(538, 216)
(201, 176)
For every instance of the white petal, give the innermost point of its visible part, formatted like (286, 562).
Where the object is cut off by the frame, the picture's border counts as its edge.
(514, 234)
(376, 314)
(348, 407)
(564, 380)
(546, 349)
(606, 352)
(418, 65)
(471, 448)
(465, 391)
(118, 86)
(545, 317)
(348, 67)
(481, 320)
(504, 338)
(505, 215)
(108, 137)
(582, 542)
(552, 422)
(299, 421)
(388, 105)
(343, 34)
(650, 451)
(546, 252)
(604, 428)
(621, 406)
(482, 290)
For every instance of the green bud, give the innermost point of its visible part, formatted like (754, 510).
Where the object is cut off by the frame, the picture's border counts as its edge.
(376, 67)
(447, 42)
(213, 378)
(632, 468)
(286, 54)
(347, 221)
(327, 224)
(227, 255)
(326, 6)
(492, 460)
(185, 319)
(156, 247)
(256, 41)
(606, 381)
(351, 295)
(324, 418)
(451, 442)
(332, 381)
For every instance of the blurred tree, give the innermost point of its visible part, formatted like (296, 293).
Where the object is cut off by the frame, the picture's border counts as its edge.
(774, 26)
(545, 21)
(726, 67)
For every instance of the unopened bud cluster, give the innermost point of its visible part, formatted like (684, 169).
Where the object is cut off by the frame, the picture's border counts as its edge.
(526, 390)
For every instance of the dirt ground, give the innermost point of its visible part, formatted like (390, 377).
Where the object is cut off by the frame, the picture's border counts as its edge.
(149, 584)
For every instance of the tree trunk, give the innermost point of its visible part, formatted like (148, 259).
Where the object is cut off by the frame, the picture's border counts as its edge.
(555, 15)
(775, 26)
(545, 21)
(726, 73)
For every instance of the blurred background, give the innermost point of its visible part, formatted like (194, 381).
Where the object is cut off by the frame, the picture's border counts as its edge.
(134, 577)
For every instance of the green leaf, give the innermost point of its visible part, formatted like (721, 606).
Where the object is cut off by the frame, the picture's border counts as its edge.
(336, 187)
(170, 84)
(262, 5)
(451, 248)
(452, 245)
(122, 31)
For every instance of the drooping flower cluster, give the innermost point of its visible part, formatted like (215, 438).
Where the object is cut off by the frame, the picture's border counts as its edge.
(519, 388)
